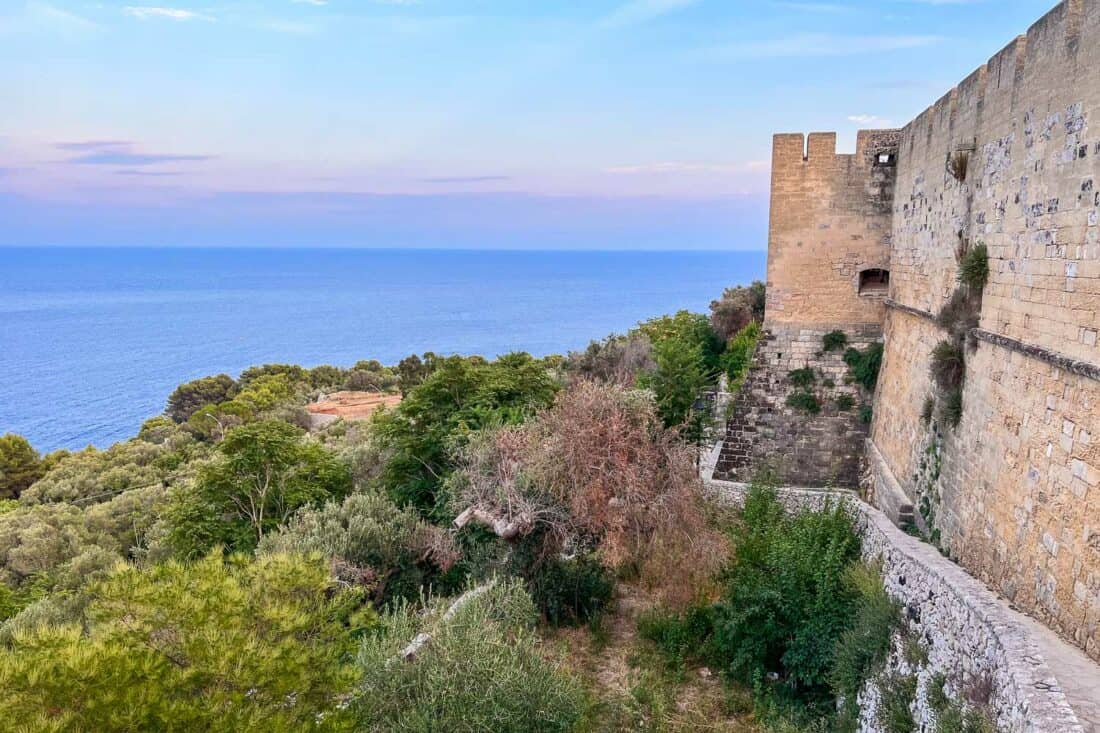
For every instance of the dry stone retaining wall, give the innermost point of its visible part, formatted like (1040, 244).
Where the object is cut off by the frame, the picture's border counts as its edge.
(970, 636)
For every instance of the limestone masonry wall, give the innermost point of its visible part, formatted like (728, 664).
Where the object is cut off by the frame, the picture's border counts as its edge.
(1012, 492)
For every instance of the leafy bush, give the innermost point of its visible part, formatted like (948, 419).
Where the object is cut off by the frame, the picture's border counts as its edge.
(974, 268)
(213, 645)
(737, 308)
(788, 600)
(421, 436)
(959, 314)
(738, 356)
(805, 401)
(948, 365)
(804, 377)
(952, 409)
(571, 592)
(864, 365)
(834, 341)
(20, 465)
(617, 359)
(390, 551)
(94, 475)
(845, 402)
(483, 670)
(864, 646)
(691, 329)
(952, 716)
(264, 472)
(187, 398)
(866, 413)
(677, 381)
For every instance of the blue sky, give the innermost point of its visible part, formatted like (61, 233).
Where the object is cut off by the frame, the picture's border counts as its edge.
(447, 123)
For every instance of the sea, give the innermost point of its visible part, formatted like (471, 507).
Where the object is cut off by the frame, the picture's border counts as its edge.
(92, 341)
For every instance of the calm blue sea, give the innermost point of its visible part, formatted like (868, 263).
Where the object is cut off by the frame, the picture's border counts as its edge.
(93, 340)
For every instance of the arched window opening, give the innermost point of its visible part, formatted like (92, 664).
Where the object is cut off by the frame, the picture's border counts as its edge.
(874, 281)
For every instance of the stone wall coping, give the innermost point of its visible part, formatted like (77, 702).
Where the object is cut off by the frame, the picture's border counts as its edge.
(911, 310)
(1044, 707)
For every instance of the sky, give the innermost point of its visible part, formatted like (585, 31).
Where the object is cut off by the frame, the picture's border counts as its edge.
(603, 124)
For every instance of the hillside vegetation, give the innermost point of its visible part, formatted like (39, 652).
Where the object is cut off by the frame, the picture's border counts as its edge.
(522, 544)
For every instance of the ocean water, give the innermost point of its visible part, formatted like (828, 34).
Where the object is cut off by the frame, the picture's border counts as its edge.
(92, 341)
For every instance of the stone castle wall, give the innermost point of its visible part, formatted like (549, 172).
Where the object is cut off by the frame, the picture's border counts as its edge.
(1013, 491)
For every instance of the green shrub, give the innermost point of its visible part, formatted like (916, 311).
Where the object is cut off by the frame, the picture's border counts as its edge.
(974, 268)
(895, 713)
(834, 341)
(959, 314)
(804, 401)
(571, 592)
(679, 637)
(804, 377)
(864, 365)
(866, 412)
(952, 409)
(483, 670)
(738, 355)
(951, 717)
(845, 402)
(864, 646)
(786, 602)
(948, 365)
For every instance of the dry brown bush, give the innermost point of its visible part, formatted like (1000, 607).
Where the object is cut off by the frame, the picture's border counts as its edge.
(598, 470)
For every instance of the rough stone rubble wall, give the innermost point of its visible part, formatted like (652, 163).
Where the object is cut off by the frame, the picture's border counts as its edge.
(803, 449)
(970, 636)
(1012, 492)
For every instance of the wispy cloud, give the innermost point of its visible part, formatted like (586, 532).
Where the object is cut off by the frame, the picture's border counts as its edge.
(147, 174)
(642, 11)
(40, 16)
(870, 120)
(119, 152)
(148, 12)
(809, 45)
(465, 179)
(682, 167)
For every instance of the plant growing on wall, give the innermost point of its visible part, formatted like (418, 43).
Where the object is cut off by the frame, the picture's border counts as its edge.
(805, 401)
(864, 365)
(803, 377)
(834, 341)
(948, 365)
(974, 268)
(845, 402)
(958, 163)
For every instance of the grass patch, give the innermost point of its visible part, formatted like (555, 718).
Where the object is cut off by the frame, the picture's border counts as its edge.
(895, 714)
(928, 409)
(948, 365)
(952, 409)
(974, 268)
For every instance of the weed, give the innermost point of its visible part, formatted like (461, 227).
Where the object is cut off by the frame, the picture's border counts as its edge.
(957, 164)
(845, 402)
(895, 714)
(805, 401)
(974, 268)
(928, 410)
(835, 340)
(865, 364)
(948, 365)
(866, 412)
(952, 409)
(804, 377)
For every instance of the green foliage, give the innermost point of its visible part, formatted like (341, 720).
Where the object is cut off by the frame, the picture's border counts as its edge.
(952, 716)
(618, 359)
(371, 376)
(863, 648)
(459, 397)
(960, 313)
(93, 475)
(41, 544)
(845, 402)
(571, 592)
(20, 465)
(738, 355)
(187, 398)
(213, 645)
(482, 671)
(948, 365)
(974, 268)
(864, 365)
(788, 599)
(266, 391)
(390, 550)
(677, 380)
(680, 637)
(804, 377)
(264, 472)
(690, 330)
(805, 401)
(895, 713)
(289, 373)
(952, 409)
(412, 370)
(737, 308)
(834, 341)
